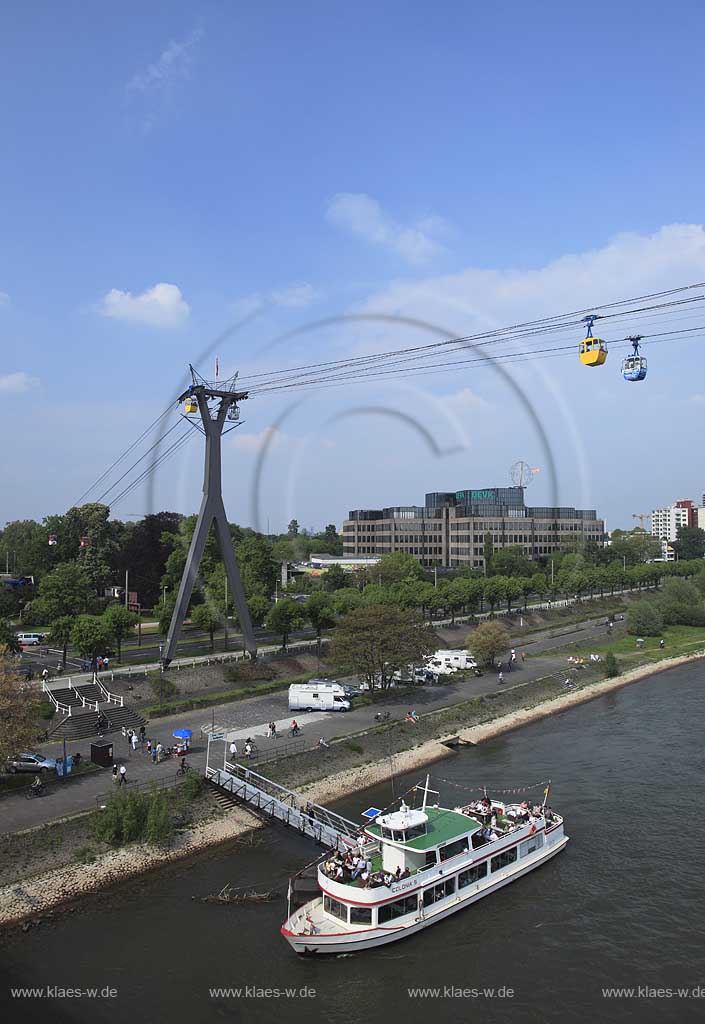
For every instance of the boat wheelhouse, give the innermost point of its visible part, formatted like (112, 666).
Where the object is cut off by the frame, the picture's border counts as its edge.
(413, 867)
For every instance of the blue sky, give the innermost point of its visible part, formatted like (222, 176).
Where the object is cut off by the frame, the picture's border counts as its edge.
(169, 168)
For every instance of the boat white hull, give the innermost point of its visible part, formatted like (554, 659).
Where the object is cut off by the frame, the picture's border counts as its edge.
(369, 938)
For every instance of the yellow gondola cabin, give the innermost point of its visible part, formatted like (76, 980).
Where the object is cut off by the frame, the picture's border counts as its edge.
(592, 351)
(190, 405)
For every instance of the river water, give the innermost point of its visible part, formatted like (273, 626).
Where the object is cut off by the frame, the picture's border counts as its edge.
(623, 905)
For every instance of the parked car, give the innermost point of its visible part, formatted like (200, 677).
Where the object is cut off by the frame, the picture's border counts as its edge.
(30, 639)
(29, 762)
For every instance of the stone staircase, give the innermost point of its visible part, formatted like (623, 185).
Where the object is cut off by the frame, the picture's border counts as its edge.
(82, 723)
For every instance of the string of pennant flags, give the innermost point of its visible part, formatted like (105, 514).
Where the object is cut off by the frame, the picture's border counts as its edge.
(544, 784)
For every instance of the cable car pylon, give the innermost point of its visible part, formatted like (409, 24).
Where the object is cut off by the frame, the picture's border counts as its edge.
(212, 510)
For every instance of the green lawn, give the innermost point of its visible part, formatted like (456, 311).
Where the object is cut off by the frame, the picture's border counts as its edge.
(678, 640)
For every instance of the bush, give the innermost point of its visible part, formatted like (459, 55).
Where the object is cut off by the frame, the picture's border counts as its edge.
(487, 641)
(644, 619)
(159, 828)
(612, 668)
(192, 786)
(248, 672)
(84, 855)
(162, 686)
(681, 604)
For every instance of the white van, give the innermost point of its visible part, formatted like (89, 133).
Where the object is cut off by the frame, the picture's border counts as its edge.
(30, 639)
(318, 695)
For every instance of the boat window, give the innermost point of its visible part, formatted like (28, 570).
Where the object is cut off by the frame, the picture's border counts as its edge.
(453, 849)
(415, 832)
(430, 858)
(472, 875)
(535, 843)
(439, 892)
(390, 911)
(335, 907)
(360, 915)
(502, 859)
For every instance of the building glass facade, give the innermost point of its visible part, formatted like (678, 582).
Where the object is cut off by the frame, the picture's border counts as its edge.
(450, 528)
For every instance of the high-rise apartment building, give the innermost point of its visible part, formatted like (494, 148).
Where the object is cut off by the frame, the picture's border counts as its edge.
(665, 522)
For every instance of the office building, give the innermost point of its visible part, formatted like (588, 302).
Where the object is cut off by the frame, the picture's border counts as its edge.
(450, 529)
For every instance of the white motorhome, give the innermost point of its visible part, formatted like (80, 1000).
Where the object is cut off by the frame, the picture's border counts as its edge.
(318, 695)
(445, 662)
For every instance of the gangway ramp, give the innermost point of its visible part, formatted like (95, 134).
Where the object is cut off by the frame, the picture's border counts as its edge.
(268, 798)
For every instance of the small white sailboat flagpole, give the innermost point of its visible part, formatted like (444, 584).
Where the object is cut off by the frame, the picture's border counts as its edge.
(546, 791)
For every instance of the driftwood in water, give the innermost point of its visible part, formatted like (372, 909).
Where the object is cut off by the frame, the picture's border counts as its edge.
(230, 895)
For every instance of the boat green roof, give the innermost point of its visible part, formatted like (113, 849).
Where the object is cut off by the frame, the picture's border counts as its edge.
(442, 826)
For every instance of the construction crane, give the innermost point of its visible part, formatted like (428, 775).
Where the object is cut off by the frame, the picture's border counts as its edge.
(641, 516)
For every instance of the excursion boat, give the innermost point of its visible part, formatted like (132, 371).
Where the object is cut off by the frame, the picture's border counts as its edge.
(414, 867)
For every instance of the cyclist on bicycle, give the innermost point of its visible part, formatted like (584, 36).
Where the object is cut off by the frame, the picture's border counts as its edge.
(295, 728)
(37, 785)
(183, 765)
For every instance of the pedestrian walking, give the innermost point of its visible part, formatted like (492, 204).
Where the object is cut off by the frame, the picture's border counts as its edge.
(500, 678)
(154, 755)
(523, 657)
(115, 773)
(134, 741)
(274, 730)
(123, 775)
(269, 730)
(142, 734)
(233, 749)
(45, 674)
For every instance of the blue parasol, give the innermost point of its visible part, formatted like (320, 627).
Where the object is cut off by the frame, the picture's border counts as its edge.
(182, 734)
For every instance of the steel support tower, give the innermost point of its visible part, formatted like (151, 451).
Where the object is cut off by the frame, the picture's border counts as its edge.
(217, 404)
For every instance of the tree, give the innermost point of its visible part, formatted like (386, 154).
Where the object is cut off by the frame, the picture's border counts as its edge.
(60, 635)
(511, 561)
(513, 589)
(345, 600)
(120, 623)
(159, 827)
(335, 578)
(258, 607)
(319, 612)
(292, 529)
(690, 542)
(681, 604)
(19, 708)
(612, 668)
(284, 616)
(488, 552)
(258, 569)
(144, 553)
(166, 610)
(494, 590)
(9, 644)
(64, 591)
(377, 641)
(487, 641)
(644, 619)
(90, 636)
(206, 617)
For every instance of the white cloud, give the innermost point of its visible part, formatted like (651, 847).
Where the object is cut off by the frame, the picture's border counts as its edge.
(465, 401)
(160, 306)
(17, 383)
(269, 436)
(4, 299)
(174, 62)
(697, 399)
(296, 295)
(475, 300)
(365, 217)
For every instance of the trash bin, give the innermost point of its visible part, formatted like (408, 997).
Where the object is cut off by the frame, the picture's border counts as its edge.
(102, 754)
